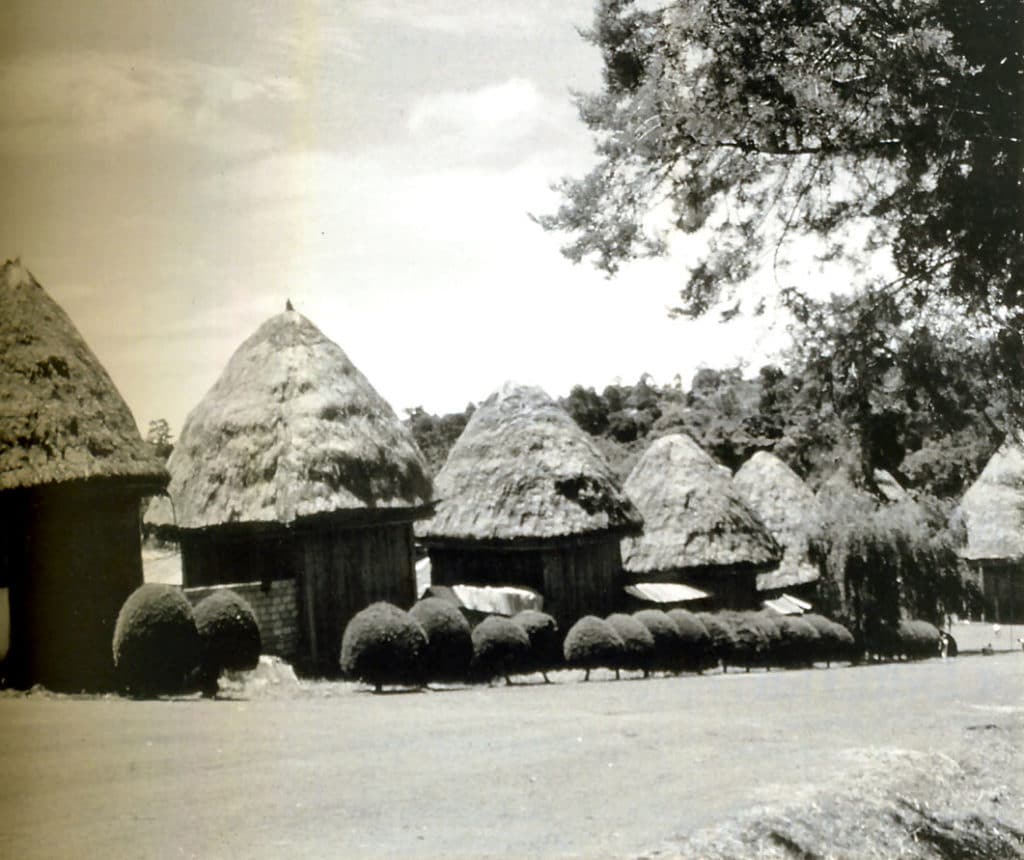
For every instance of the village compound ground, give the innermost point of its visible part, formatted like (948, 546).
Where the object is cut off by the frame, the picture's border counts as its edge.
(602, 769)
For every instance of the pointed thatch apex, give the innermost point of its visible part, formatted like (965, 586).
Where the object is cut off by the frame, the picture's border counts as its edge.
(993, 507)
(61, 418)
(692, 515)
(288, 305)
(788, 507)
(291, 429)
(523, 469)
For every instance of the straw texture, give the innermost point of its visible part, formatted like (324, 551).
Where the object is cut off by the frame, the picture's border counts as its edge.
(993, 507)
(290, 429)
(61, 417)
(692, 516)
(523, 469)
(789, 509)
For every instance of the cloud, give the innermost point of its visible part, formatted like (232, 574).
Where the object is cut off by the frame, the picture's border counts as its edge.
(108, 99)
(455, 17)
(499, 107)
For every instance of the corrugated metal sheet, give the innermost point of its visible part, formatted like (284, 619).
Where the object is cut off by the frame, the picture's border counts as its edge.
(665, 592)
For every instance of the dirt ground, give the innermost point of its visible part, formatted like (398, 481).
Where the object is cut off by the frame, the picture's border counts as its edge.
(603, 769)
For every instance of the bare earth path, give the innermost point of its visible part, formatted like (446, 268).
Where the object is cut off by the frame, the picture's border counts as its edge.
(571, 769)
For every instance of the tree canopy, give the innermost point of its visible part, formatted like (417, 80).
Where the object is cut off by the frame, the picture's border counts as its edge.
(878, 131)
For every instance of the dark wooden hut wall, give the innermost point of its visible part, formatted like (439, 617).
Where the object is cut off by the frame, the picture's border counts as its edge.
(729, 587)
(497, 567)
(576, 576)
(244, 554)
(582, 579)
(1002, 585)
(344, 570)
(71, 556)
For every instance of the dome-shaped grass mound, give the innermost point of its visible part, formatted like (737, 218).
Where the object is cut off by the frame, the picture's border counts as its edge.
(229, 636)
(919, 640)
(384, 645)
(751, 641)
(500, 649)
(723, 645)
(545, 640)
(637, 642)
(800, 643)
(835, 642)
(449, 640)
(156, 644)
(592, 643)
(769, 624)
(668, 644)
(696, 647)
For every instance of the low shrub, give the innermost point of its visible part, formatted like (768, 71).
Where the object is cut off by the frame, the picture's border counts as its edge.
(592, 643)
(835, 642)
(500, 649)
(545, 641)
(449, 651)
(800, 643)
(750, 640)
(723, 645)
(384, 645)
(696, 649)
(156, 644)
(668, 644)
(637, 643)
(229, 637)
(919, 640)
(770, 625)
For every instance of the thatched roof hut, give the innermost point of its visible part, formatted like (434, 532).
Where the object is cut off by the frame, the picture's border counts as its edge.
(526, 499)
(291, 429)
(992, 510)
(73, 469)
(293, 467)
(993, 506)
(62, 418)
(788, 507)
(697, 529)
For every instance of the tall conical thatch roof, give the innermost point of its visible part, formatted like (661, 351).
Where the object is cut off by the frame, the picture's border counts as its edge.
(523, 469)
(788, 507)
(993, 507)
(692, 515)
(61, 418)
(290, 429)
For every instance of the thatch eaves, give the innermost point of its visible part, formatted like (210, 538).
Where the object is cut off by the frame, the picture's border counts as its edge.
(789, 509)
(291, 429)
(993, 507)
(524, 470)
(62, 418)
(693, 518)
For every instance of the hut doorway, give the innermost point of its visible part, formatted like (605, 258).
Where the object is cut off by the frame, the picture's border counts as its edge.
(498, 568)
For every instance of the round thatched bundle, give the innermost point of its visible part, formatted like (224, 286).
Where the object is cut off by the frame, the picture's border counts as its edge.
(692, 516)
(523, 469)
(637, 642)
(501, 648)
(545, 639)
(668, 643)
(593, 643)
(449, 639)
(290, 429)
(62, 418)
(790, 511)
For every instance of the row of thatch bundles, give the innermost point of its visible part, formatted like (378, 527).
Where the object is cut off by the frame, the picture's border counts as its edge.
(292, 467)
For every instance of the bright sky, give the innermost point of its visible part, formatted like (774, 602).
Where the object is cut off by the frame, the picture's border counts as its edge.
(181, 169)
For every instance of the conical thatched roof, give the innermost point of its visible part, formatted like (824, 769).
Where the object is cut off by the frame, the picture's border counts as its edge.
(523, 469)
(993, 507)
(788, 507)
(290, 429)
(61, 418)
(692, 515)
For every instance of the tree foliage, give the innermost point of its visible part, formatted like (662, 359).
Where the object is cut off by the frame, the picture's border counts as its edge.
(862, 127)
